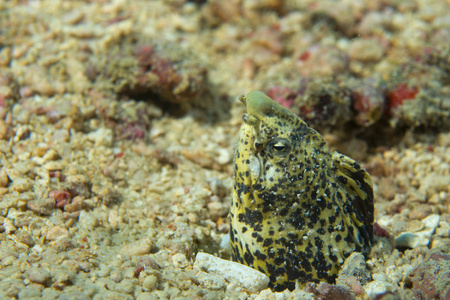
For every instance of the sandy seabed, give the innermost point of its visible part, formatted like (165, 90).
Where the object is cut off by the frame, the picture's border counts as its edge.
(118, 121)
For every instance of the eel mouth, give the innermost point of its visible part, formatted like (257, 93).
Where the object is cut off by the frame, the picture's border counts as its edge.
(259, 106)
(251, 152)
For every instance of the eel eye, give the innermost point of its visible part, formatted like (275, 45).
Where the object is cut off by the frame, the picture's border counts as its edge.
(279, 147)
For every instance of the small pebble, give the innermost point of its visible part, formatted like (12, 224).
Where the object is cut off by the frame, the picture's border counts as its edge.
(422, 237)
(42, 206)
(4, 180)
(8, 226)
(77, 178)
(116, 276)
(53, 166)
(30, 292)
(377, 287)
(39, 275)
(150, 282)
(126, 286)
(56, 232)
(444, 139)
(366, 50)
(225, 242)
(62, 276)
(50, 155)
(140, 247)
(179, 260)
(12, 292)
(113, 295)
(114, 219)
(26, 238)
(88, 220)
(355, 265)
(3, 129)
(101, 137)
(218, 209)
(214, 282)
(76, 205)
(354, 273)
(130, 273)
(8, 260)
(104, 271)
(224, 156)
(146, 296)
(248, 278)
(434, 183)
(329, 291)
(61, 136)
(21, 185)
(443, 230)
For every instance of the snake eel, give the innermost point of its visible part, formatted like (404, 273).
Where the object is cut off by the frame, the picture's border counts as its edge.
(298, 210)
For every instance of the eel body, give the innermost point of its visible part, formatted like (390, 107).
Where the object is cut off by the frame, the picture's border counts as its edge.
(298, 210)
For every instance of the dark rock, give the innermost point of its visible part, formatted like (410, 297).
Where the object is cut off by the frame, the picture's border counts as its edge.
(325, 291)
(431, 279)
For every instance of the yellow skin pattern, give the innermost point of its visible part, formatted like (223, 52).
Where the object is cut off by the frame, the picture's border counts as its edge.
(298, 210)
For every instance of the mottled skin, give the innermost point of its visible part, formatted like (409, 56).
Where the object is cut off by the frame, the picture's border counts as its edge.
(298, 210)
